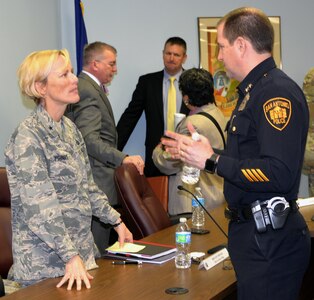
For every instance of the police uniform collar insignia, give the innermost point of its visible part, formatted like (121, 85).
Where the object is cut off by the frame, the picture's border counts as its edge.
(246, 97)
(278, 112)
(248, 88)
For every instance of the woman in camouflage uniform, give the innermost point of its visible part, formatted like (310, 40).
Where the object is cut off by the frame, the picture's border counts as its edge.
(53, 194)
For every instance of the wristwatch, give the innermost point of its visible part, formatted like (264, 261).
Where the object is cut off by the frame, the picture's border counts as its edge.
(211, 164)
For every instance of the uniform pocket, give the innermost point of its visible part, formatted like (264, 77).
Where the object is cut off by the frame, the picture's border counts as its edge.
(239, 125)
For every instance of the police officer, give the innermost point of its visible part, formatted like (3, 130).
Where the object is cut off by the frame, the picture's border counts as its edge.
(263, 161)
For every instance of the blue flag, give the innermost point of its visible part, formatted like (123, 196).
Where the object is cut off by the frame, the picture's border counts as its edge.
(80, 34)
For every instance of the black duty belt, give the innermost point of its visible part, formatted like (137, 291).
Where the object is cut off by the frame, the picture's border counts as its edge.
(245, 213)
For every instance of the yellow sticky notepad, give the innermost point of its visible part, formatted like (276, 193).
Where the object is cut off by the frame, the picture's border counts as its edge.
(127, 248)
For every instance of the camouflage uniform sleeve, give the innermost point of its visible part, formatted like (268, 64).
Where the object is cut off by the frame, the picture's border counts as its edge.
(39, 200)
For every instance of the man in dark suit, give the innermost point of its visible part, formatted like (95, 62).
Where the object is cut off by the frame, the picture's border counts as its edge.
(94, 117)
(150, 96)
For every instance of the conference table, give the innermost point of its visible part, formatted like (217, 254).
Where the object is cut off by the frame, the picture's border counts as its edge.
(150, 281)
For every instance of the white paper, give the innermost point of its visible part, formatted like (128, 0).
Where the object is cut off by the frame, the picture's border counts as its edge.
(305, 201)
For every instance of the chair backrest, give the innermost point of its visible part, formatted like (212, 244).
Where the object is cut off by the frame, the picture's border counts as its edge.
(5, 198)
(142, 209)
(6, 259)
(160, 184)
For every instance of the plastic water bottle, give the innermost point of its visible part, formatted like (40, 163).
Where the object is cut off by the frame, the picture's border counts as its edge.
(191, 175)
(183, 242)
(198, 214)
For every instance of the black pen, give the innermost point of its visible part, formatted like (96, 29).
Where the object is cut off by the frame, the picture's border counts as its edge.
(126, 262)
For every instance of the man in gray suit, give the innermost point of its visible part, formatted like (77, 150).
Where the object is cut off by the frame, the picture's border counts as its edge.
(94, 117)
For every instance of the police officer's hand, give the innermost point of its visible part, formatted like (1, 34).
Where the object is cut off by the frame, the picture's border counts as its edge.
(75, 271)
(124, 234)
(185, 148)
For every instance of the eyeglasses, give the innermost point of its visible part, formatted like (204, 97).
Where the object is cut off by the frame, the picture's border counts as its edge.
(227, 264)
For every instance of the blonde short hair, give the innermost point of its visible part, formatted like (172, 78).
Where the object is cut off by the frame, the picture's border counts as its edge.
(35, 68)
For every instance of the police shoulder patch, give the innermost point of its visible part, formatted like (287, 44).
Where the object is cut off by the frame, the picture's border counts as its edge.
(278, 112)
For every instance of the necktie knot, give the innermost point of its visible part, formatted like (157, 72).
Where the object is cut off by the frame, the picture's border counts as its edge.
(104, 88)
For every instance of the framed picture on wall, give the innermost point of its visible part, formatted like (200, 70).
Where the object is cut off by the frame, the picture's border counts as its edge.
(225, 88)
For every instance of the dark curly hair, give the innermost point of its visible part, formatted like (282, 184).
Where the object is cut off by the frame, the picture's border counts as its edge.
(198, 85)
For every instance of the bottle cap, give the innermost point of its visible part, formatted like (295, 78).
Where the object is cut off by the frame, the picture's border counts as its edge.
(182, 220)
(195, 136)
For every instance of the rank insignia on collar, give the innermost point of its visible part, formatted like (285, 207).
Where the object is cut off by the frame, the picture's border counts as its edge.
(244, 102)
(277, 112)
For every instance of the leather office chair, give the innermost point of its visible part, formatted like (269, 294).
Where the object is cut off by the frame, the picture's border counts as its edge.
(143, 213)
(6, 259)
(160, 186)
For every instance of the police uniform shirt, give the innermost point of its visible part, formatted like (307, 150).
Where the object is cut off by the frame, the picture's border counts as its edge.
(266, 138)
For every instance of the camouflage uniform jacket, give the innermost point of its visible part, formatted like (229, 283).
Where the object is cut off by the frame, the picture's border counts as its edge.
(53, 198)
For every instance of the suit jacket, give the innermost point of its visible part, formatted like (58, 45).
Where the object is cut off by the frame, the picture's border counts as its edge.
(94, 117)
(147, 97)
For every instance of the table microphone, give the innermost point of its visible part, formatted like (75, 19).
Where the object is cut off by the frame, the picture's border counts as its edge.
(181, 188)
